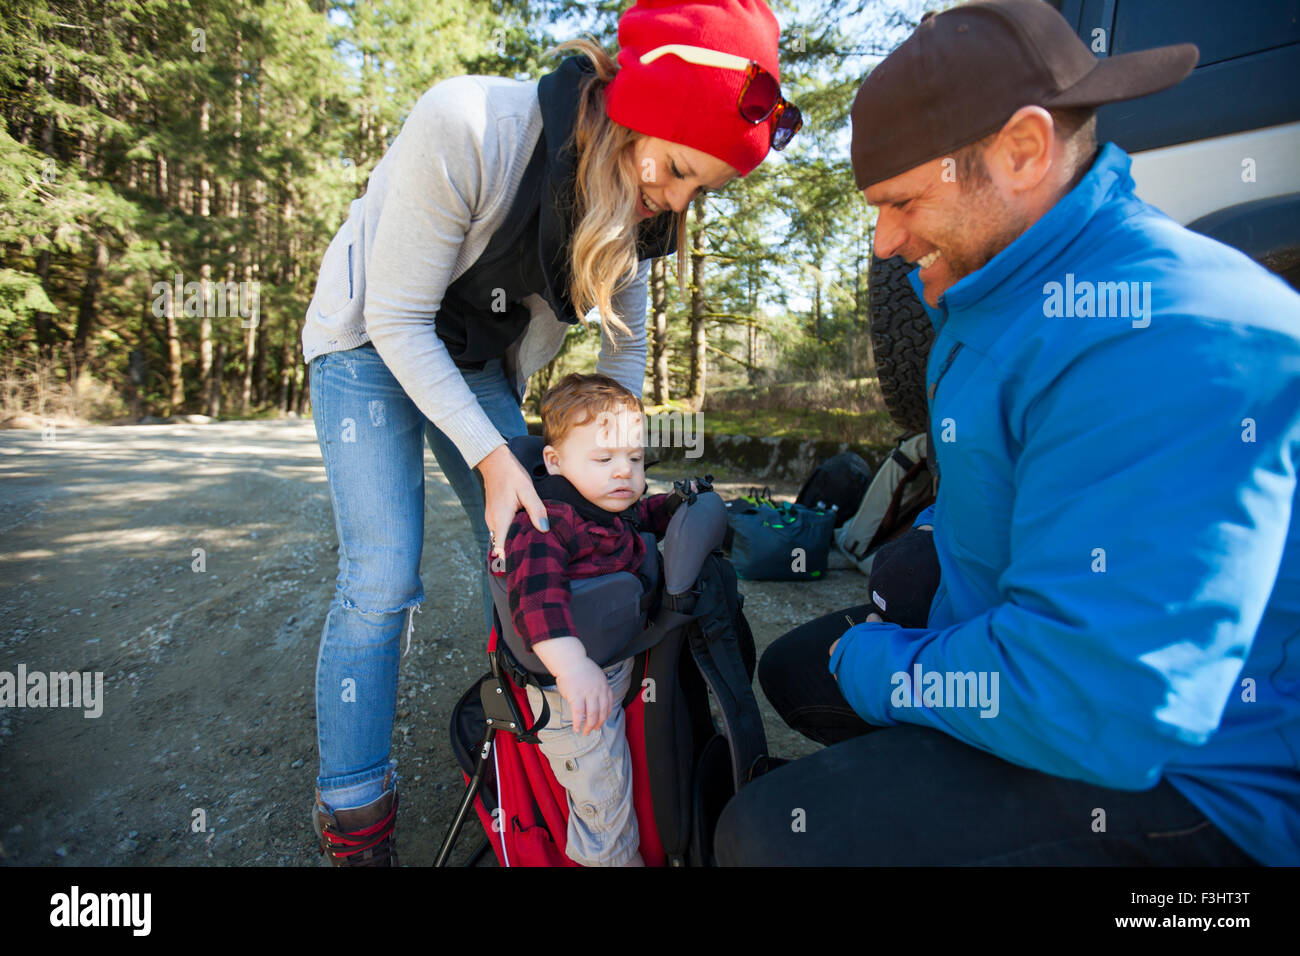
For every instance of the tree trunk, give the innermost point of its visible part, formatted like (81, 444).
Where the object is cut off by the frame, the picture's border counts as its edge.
(83, 102)
(817, 307)
(137, 375)
(44, 320)
(86, 309)
(699, 340)
(751, 327)
(286, 372)
(658, 302)
(205, 338)
(259, 367)
(233, 193)
(367, 137)
(214, 396)
(149, 332)
(176, 382)
(165, 187)
(253, 253)
(858, 310)
(237, 126)
(303, 382)
(132, 119)
(250, 354)
(205, 270)
(45, 329)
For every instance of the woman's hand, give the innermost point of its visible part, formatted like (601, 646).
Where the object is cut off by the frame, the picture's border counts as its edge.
(506, 489)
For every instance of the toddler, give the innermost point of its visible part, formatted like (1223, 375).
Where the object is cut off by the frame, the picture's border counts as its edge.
(593, 429)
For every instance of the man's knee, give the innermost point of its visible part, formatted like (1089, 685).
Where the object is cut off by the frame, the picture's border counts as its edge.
(773, 665)
(761, 825)
(735, 831)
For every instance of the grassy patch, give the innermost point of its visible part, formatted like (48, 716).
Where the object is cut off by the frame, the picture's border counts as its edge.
(835, 424)
(269, 413)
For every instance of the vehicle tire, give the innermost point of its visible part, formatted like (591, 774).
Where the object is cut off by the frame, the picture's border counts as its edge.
(901, 335)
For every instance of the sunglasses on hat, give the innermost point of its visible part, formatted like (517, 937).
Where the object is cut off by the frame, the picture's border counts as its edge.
(760, 95)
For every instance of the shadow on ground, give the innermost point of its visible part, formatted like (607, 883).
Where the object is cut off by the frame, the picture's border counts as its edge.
(208, 709)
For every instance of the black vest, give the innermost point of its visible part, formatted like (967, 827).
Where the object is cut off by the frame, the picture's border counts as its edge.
(482, 312)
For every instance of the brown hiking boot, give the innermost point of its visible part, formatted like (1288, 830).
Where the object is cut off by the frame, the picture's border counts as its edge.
(360, 836)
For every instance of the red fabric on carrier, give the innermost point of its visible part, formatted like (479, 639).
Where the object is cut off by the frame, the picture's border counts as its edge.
(532, 802)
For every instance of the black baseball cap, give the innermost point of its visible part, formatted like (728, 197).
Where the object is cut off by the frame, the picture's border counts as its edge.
(963, 73)
(904, 578)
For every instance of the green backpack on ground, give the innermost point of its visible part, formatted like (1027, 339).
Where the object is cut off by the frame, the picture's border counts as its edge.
(778, 541)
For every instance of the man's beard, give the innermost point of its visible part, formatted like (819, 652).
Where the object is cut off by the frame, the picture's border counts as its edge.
(1010, 225)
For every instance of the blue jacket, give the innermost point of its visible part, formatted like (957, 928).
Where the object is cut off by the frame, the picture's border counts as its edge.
(1116, 522)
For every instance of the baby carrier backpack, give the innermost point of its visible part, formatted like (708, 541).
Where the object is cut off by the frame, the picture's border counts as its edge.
(680, 620)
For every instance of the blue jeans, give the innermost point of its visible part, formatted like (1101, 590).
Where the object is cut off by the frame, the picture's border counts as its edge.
(372, 438)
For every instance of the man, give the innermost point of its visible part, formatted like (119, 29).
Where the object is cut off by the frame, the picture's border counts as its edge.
(1109, 671)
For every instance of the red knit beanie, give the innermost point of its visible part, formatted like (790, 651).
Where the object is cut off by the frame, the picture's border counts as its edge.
(697, 106)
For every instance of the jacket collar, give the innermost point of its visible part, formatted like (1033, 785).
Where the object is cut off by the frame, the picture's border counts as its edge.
(557, 96)
(559, 488)
(964, 308)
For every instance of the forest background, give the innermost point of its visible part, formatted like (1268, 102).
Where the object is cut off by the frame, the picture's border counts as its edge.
(150, 144)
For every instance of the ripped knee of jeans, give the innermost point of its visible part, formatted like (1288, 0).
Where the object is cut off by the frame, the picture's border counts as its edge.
(348, 604)
(410, 627)
(410, 606)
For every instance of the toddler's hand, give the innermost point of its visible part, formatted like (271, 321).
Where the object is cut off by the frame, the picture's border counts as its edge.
(586, 689)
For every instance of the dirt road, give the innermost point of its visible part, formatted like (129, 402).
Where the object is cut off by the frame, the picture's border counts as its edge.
(208, 657)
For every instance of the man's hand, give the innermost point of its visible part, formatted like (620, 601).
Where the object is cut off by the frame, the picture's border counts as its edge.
(506, 489)
(581, 683)
(872, 618)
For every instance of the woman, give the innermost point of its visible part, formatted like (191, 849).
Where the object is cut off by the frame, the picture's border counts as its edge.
(502, 213)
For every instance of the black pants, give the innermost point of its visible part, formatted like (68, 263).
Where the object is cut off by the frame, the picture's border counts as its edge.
(911, 795)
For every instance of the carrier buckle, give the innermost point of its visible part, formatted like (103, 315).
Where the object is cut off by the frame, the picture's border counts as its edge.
(499, 706)
(683, 603)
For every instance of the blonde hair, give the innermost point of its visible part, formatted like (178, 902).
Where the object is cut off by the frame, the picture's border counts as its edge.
(603, 246)
(576, 400)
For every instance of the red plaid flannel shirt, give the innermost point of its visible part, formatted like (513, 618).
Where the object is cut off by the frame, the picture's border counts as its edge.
(539, 565)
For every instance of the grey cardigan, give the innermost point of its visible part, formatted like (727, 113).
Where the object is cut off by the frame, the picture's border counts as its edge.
(432, 204)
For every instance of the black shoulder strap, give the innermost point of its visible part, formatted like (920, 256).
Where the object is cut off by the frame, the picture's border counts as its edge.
(717, 647)
(889, 522)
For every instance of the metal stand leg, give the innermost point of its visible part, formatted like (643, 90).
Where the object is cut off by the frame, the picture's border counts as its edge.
(478, 854)
(471, 791)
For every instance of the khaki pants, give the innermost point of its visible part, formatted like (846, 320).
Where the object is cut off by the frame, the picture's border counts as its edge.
(596, 773)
